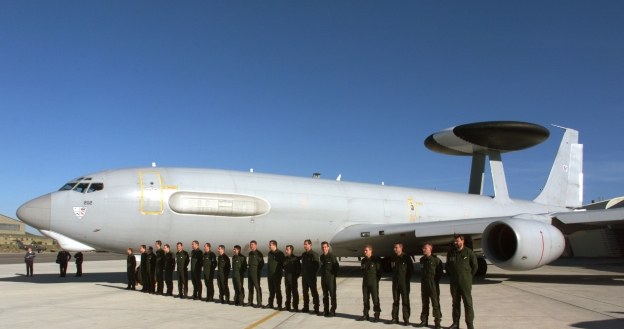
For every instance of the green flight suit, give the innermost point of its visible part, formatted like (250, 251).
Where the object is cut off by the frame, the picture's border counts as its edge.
(209, 265)
(255, 262)
(239, 267)
(274, 276)
(430, 287)
(197, 260)
(182, 260)
(309, 267)
(371, 274)
(329, 271)
(223, 272)
(292, 271)
(402, 268)
(461, 266)
(169, 267)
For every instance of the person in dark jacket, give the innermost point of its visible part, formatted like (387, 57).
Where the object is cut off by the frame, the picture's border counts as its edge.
(143, 268)
(402, 268)
(160, 267)
(197, 260)
(209, 265)
(79, 258)
(223, 272)
(182, 260)
(371, 274)
(151, 270)
(169, 267)
(62, 258)
(292, 271)
(29, 259)
(274, 275)
(309, 267)
(131, 269)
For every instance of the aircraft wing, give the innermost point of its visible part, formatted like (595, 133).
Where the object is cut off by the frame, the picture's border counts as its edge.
(570, 222)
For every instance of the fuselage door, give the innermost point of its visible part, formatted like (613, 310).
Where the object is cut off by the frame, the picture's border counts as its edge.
(151, 193)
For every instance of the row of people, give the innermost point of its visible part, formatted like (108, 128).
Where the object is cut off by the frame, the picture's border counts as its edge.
(157, 267)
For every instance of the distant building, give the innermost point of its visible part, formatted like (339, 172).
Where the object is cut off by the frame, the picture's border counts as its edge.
(12, 229)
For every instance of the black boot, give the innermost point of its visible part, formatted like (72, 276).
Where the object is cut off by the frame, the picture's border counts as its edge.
(363, 318)
(423, 323)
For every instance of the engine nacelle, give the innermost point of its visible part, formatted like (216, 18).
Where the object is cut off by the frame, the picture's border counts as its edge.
(520, 244)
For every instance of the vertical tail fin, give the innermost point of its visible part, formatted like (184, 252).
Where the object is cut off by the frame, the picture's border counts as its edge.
(564, 187)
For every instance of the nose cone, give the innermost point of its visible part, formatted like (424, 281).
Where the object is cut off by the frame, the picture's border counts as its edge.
(37, 212)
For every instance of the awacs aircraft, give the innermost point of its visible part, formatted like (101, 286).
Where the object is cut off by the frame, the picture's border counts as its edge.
(33, 246)
(112, 210)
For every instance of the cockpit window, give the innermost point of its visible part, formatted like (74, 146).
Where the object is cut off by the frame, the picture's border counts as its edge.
(81, 187)
(94, 187)
(68, 186)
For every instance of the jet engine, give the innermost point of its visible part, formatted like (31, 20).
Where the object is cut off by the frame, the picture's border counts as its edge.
(522, 244)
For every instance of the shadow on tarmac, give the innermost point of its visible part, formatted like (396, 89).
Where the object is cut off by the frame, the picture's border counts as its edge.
(595, 280)
(110, 277)
(603, 324)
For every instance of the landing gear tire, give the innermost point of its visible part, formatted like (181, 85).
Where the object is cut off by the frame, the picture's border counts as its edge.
(482, 267)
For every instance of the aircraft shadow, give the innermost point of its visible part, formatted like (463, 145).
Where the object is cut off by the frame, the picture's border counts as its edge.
(602, 324)
(110, 277)
(596, 280)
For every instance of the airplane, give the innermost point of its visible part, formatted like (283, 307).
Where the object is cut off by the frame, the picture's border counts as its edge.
(33, 246)
(116, 209)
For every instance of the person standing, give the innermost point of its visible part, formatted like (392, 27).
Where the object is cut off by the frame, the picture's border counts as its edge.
(461, 266)
(329, 271)
(160, 267)
(169, 267)
(209, 265)
(239, 267)
(309, 267)
(371, 274)
(274, 275)
(223, 272)
(182, 260)
(62, 258)
(151, 270)
(79, 258)
(292, 271)
(255, 262)
(402, 268)
(430, 286)
(131, 269)
(143, 268)
(29, 259)
(197, 259)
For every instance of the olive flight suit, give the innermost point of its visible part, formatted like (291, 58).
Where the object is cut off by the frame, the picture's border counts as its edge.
(223, 272)
(209, 265)
(461, 266)
(329, 271)
(309, 267)
(371, 274)
(274, 277)
(402, 268)
(197, 258)
(169, 267)
(255, 262)
(239, 267)
(292, 271)
(430, 288)
(182, 259)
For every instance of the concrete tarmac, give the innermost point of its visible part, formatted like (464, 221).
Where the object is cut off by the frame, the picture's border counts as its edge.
(570, 293)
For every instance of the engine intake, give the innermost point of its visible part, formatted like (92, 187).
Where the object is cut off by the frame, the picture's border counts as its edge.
(521, 245)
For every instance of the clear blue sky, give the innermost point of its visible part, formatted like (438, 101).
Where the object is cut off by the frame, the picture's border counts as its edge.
(296, 87)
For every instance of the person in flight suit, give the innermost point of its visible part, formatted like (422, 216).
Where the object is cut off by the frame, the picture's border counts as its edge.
(461, 266)
(169, 267)
(79, 258)
(131, 269)
(151, 269)
(223, 272)
(143, 267)
(239, 267)
(292, 271)
(197, 260)
(402, 268)
(255, 262)
(309, 267)
(274, 275)
(430, 286)
(62, 258)
(182, 259)
(209, 265)
(160, 267)
(329, 271)
(371, 274)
